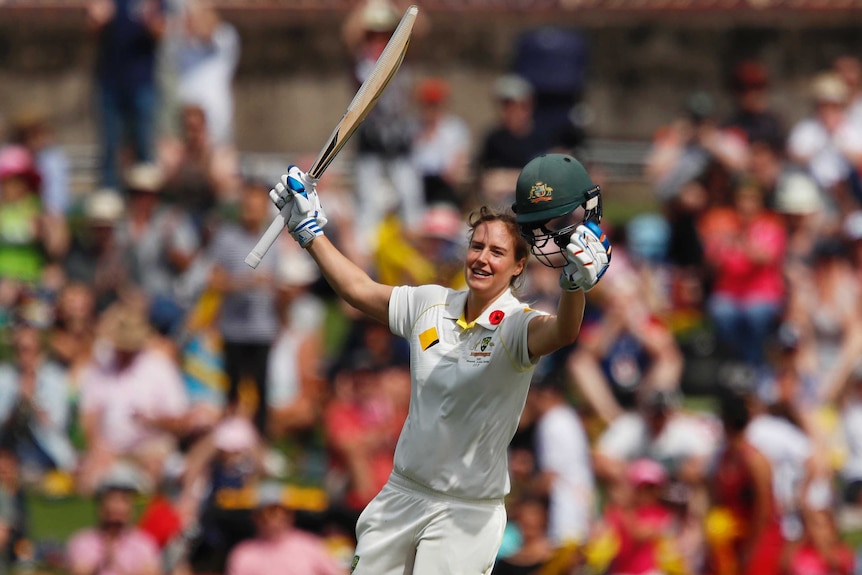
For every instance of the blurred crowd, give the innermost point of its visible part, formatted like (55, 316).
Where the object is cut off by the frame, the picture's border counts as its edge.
(224, 419)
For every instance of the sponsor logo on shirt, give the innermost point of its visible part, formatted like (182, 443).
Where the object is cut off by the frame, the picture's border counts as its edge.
(481, 351)
(428, 338)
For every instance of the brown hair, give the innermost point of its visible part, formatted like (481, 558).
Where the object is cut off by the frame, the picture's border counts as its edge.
(486, 215)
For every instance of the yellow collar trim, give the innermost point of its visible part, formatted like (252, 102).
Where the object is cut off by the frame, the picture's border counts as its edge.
(462, 323)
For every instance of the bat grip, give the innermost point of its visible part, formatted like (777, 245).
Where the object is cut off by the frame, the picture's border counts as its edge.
(268, 238)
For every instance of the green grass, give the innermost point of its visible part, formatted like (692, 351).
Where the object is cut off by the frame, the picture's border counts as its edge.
(57, 519)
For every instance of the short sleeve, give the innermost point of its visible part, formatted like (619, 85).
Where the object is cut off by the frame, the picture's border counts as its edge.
(83, 552)
(184, 238)
(622, 439)
(407, 302)
(90, 398)
(522, 336)
(172, 394)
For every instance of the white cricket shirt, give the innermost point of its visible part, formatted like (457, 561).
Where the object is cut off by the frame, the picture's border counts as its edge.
(469, 386)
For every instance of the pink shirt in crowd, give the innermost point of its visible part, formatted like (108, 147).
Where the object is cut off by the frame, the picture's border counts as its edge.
(151, 386)
(294, 553)
(737, 275)
(133, 552)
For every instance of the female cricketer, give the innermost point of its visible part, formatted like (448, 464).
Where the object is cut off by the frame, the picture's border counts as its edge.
(472, 353)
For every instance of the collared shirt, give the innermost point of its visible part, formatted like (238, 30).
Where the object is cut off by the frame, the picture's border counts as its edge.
(151, 386)
(294, 553)
(134, 551)
(51, 398)
(469, 386)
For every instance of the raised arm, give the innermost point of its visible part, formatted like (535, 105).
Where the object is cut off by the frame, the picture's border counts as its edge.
(588, 254)
(350, 281)
(551, 332)
(305, 224)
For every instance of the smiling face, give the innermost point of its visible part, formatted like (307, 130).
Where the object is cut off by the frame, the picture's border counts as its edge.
(493, 260)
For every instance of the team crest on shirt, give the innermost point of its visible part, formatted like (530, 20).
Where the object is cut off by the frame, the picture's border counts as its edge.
(541, 192)
(480, 354)
(354, 563)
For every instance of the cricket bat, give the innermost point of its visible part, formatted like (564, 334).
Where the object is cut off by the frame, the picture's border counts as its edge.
(363, 102)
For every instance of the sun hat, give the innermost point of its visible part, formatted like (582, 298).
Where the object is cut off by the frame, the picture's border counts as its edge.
(798, 193)
(379, 16)
(104, 206)
(853, 226)
(17, 161)
(443, 221)
(235, 434)
(144, 177)
(645, 471)
(828, 87)
(513, 87)
(127, 328)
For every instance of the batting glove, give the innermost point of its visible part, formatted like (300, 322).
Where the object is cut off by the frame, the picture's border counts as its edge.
(588, 255)
(298, 190)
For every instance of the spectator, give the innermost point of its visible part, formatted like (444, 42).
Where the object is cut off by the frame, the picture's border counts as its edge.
(441, 145)
(742, 489)
(852, 233)
(383, 167)
(536, 549)
(429, 253)
(295, 380)
(767, 166)
(821, 552)
(744, 247)
(162, 240)
(554, 59)
(220, 474)
(128, 35)
(752, 114)
(279, 547)
(849, 68)
(28, 236)
(362, 429)
(625, 350)
(34, 407)
(824, 142)
(800, 202)
(564, 463)
(99, 255)
(248, 319)
(695, 149)
(689, 166)
(132, 404)
(206, 56)
(114, 546)
(640, 524)
(660, 430)
(825, 307)
(70, 339)
(199, 174)
(14, 516)
(510, 143)
(775, 430)
(32, 129)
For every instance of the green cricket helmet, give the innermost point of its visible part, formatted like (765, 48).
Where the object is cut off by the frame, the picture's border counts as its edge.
(554, 194)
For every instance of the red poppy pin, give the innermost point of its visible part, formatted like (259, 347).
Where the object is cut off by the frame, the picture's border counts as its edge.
(496, 317)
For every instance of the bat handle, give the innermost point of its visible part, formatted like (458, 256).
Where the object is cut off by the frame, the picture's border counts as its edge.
(268, 238)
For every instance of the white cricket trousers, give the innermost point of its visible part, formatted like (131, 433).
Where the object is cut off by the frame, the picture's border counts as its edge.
(409, 529)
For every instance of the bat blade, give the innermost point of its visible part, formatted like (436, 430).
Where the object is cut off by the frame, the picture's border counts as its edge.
(369, 92)
(361, 104)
